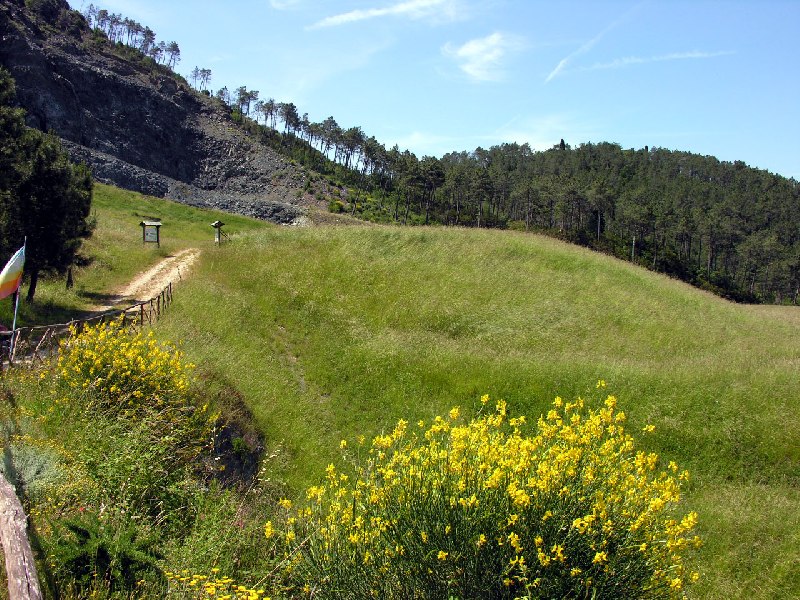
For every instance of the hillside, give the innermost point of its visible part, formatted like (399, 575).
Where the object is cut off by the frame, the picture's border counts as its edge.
(332, 333)
(139, 126)
(314, 335)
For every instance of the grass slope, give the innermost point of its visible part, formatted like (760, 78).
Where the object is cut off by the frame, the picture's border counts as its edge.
(331, 333)
(115, 252)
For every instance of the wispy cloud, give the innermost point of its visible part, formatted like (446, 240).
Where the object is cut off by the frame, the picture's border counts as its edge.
(412, 9)
(482, 58)
(584, 48)
(641, 60)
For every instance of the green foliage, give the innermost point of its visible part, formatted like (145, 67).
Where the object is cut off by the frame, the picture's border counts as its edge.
(112, 477)
(43, 196)
(138, 391)
(104, 552)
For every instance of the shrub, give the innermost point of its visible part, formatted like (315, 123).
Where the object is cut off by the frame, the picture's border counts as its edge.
(482, 510)
(91, 552)
(147, 430)
(123, 368)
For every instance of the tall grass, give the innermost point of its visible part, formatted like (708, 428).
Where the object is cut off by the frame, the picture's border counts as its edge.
(333, 333)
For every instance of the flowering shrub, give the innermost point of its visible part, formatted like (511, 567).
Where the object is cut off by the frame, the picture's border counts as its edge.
(115, 363)
(148, 430)
(483, 510)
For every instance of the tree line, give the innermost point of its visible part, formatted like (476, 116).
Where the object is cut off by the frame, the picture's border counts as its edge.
(722, 226)
(122, 30)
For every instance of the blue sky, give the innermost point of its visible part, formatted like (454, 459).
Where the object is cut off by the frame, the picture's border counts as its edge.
(433, 76)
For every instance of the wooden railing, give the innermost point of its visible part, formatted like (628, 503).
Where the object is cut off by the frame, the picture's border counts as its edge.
(32, 345)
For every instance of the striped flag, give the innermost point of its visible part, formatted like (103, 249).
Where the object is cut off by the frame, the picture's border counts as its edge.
(11, 276)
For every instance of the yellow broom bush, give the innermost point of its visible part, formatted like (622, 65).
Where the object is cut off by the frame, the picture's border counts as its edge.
(481, 509)
(149, 429)
(112, 362)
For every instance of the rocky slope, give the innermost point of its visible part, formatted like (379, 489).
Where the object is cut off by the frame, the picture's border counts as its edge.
(138, 127)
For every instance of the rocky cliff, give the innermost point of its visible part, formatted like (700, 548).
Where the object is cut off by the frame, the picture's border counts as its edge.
(139, 127)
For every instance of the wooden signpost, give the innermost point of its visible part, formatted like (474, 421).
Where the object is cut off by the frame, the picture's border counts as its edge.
(151, 232)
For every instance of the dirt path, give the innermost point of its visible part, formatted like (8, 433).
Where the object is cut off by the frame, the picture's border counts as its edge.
(150, 283)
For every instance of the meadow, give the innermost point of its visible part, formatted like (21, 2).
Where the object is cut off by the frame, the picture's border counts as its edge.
(330, 333)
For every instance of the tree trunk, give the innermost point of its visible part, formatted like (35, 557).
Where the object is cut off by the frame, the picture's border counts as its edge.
(32, 286)
(598, 224)
(23, 581)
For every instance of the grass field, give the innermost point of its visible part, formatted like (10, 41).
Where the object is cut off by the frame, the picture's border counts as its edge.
(331, 333)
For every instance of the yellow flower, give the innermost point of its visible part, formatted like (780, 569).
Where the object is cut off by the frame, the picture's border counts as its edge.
(442, 555)
(269, 531)
(599, 558)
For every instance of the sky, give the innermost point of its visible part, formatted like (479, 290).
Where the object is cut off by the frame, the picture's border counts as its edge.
(716, 78)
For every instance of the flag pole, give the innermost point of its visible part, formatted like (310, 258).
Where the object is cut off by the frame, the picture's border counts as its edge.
(16, 308)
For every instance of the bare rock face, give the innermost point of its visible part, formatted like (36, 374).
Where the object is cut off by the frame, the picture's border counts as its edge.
(137, 126)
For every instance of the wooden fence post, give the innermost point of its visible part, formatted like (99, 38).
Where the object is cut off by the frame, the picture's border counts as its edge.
(23, 581)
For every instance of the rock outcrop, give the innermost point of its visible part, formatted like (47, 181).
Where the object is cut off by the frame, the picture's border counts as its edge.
(139, 127)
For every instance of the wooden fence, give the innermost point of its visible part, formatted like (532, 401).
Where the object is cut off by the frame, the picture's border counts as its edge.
(32, 345)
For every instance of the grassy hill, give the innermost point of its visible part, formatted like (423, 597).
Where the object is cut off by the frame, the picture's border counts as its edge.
(331, 333)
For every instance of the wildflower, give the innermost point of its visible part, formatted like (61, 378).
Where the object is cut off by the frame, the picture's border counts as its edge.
(269, 531)
(599, 558)
(442, 555)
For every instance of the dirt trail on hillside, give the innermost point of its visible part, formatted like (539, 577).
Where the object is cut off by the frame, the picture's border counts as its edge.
(149, 283)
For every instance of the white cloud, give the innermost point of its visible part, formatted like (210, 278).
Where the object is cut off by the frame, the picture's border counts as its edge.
(540, 133)
(412, 9)
(562, 64)
(543, 132)
(482, 58)
(641, 60)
